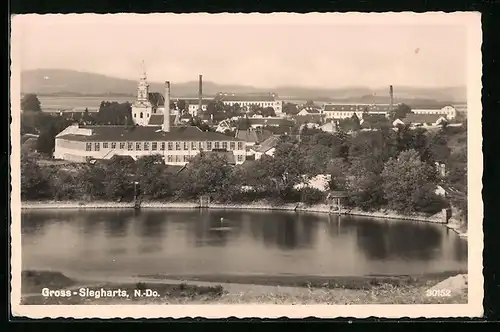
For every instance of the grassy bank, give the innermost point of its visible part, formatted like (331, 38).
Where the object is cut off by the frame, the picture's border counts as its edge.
(384, 291)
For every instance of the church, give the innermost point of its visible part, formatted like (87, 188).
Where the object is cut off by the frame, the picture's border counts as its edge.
(152, 134)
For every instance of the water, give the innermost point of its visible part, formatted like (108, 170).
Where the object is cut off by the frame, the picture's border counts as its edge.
(127, 243)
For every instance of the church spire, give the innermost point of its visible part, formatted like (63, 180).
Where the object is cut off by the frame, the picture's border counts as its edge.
(143, 74)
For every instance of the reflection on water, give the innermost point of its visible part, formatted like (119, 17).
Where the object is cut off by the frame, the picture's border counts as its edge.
(204, 241)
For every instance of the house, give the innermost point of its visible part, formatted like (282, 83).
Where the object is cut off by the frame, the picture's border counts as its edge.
(267, 147)
(343, 111)
(329, 127)
(320, 182)
(421, 120)
(247, 100)
(307, 111)
(448, 111)
(29, 145)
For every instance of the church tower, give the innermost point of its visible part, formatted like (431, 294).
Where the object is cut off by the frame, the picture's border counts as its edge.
(143, 87)
(142, 108)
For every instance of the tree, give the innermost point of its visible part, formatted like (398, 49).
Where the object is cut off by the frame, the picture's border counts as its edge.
(364, 185)
(206, 174)
(120, 171)
(409, 184)
(35, 183)
(268, 112)
(153, 180)
(290, 109)
(400, 112)
(112, 113)
(30, 103)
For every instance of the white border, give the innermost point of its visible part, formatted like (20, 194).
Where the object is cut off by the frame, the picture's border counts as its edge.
(475, 238)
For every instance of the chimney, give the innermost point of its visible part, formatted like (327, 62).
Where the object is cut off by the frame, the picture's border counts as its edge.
(391, 94)
(200, 94)
(166, 112)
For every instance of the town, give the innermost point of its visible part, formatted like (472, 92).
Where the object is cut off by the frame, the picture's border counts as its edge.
(245, 148)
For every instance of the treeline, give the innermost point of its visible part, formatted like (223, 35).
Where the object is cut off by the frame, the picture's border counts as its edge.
(382, 169)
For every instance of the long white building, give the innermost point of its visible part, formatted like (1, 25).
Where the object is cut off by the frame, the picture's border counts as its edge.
(263, 101)
(343, 111)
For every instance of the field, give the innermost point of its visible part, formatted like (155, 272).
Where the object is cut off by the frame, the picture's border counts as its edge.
(51, 103)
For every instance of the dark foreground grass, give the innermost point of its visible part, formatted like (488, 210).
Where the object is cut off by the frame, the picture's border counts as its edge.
(163, 293)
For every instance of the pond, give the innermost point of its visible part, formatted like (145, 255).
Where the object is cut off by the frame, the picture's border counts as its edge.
(128, 243)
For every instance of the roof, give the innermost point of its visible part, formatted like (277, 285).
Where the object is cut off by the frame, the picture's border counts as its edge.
(156, 99)
(357, 107)
(301, 119)
(29, 144)
(138, 133)
(157, 119)
(247, 98)
(329, 126)
(270, 121)
(255, 136)
(374, 120)
(268, 144)
(421, 118)
(196, 101)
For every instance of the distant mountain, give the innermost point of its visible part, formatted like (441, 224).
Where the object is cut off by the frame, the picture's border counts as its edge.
(64, 82)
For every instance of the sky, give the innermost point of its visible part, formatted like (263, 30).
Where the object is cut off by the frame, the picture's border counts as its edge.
(253, 50)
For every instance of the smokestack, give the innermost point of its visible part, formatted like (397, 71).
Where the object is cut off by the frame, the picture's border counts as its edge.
(200, 93)
(391, 93)
(166, 112)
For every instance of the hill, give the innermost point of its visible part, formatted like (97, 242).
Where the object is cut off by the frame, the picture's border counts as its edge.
(64, 82)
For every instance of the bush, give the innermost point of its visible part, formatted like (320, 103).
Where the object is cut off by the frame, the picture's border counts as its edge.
(311, 196)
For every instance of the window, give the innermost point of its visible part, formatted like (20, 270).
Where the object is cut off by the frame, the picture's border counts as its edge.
(194, 145)
(240, 145)
(240, 157)
(135, 115)
(216, 145)
(209, 146)
(162, 146)
(105, 145)
(170, 146)
(186, 146)
(201, 145)
(97, 146)
(177, 146)
(154, 146)
(224, 145)
(138, 146)
(169, 158)
(231, 145)
(130, 146)
(113, 145)
(186, 158)
(88, 147)
(147, 115)
(141, 115)
(146, 146)
(122, 145)
(178, 159)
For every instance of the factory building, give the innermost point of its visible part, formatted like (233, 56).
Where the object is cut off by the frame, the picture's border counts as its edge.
(176, 143)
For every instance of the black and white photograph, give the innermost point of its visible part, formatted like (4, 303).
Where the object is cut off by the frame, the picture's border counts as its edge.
(247, 165)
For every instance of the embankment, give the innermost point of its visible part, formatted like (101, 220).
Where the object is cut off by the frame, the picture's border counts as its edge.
(298, 207)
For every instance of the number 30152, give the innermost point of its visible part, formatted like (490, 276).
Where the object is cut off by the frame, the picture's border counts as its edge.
(438, 292)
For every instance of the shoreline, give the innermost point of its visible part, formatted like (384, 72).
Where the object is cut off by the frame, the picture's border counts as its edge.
(295, 207)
